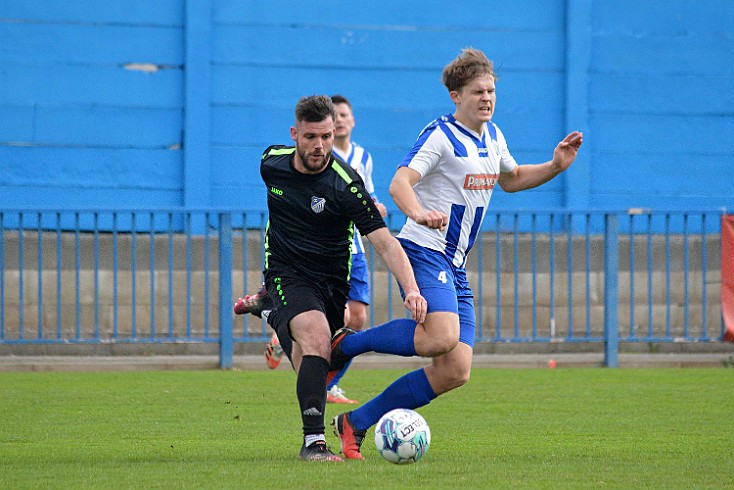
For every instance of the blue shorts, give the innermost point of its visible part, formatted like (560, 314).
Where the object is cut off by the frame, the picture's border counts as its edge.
(359, 285)
(444, 286)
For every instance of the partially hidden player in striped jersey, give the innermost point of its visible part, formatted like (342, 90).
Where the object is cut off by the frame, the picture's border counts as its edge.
(314, 202)
(359, 287)
(443, 186)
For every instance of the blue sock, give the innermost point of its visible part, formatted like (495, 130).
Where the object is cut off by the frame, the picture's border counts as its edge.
(338, 376)
(394, 337)
(409, 391)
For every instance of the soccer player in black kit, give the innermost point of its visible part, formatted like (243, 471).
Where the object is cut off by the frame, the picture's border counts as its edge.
(314, 201)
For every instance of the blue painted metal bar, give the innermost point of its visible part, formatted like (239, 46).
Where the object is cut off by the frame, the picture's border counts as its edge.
(96, 275)
(479, 294)
(187, 228)
(207, 249)
(498, 281)
(77, 277)
(59, 290)
(667, 276)
(170, 275)
(226, 344)
(552, 275)
(587, 238)
(704, 280)
(632, 325)
(650, 292)
(569, 262)
(534, 274)
(134, 272)
(515, 277)
(21, 273)
(115, 295)
(611, 268)
(39, 284)
(686, 297)
(151, 265)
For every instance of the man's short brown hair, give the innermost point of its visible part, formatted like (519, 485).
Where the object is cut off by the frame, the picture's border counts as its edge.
(470, 64)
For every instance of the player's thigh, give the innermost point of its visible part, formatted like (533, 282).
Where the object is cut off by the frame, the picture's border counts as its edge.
(311, 332)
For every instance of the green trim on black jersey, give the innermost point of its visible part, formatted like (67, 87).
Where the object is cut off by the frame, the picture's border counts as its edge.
(339, 170)
(279, 151)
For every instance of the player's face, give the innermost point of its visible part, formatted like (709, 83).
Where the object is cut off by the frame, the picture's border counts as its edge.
(475, 102)
(344, 120)
(314, 141)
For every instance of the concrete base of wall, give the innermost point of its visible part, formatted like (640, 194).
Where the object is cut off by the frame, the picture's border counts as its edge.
(249, 357)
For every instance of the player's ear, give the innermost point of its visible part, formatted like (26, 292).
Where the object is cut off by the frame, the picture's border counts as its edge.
(294, 133)
(455, 96)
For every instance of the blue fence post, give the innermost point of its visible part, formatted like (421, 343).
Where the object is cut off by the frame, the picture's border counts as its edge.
(611, 272)
(225, 291)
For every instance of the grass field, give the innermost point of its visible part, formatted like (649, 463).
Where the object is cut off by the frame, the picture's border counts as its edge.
(531, 428)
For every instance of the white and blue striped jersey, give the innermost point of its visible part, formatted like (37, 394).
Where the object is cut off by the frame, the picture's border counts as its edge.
(458, 169)
(361, 161)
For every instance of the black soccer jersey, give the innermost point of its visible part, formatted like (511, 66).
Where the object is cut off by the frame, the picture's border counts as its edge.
(312, 217)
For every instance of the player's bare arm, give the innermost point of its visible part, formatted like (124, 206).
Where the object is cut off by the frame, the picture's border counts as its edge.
(394, 256)
(528, 176)
(401, 191)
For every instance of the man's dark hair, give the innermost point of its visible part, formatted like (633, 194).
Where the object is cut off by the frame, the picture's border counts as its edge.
(315, 108)
(340, 99)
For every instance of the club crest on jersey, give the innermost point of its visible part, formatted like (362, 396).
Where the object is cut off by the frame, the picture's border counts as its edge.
(479, 182)
(317, 204)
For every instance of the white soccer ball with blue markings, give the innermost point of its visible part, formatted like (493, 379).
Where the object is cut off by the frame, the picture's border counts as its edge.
(402, 436)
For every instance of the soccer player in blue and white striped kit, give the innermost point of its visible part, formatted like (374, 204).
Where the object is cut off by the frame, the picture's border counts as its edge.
(443, 186)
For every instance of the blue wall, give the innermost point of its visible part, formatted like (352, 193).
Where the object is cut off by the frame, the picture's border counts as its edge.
(170, 103)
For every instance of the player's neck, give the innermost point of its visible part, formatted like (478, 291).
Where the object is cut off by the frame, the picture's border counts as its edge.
(475, 126)
(342, 144)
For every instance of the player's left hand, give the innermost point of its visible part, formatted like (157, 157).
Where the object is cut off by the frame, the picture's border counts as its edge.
(565, 153)
(417, 305)
(381, 209)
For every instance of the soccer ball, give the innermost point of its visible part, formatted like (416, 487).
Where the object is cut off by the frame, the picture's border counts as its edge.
(402, 436)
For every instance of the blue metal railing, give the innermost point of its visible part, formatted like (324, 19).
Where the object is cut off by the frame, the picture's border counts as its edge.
(171, 275)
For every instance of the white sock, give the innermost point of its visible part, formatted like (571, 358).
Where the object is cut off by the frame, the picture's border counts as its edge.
(310, 439)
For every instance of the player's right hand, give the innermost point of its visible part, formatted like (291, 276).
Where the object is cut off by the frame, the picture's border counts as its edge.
(417, 305)
(435, 220)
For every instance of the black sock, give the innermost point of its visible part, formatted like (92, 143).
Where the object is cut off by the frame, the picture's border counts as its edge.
(311, 392)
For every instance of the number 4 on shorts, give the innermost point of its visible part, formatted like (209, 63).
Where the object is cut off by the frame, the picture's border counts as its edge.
(442, 277)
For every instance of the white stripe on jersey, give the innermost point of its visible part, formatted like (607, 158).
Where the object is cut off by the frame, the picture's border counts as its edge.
(361, 161)
(458, 169)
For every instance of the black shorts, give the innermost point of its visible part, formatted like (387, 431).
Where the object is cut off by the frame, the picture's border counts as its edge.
(292, 294)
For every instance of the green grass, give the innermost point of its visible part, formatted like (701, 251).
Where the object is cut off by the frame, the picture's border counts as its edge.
(533, 428)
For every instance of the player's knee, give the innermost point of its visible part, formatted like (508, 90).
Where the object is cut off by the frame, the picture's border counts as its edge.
(357, 317)
(451, 378)
(437, 345)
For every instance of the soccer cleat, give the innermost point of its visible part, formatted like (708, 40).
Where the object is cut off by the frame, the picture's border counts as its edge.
(273, 352)
(336, 395)
(318, 451)
(338, 359)
(351, 438)
(252, 303)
